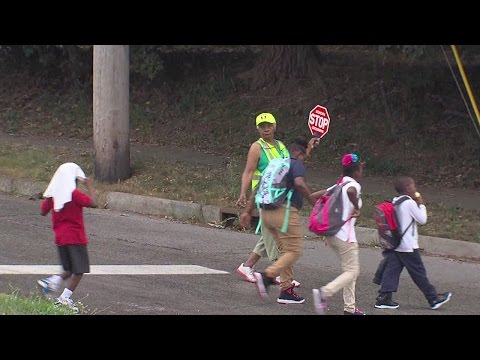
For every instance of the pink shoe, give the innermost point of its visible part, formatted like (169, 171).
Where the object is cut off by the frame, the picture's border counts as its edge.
(319, 302)
(356, 312)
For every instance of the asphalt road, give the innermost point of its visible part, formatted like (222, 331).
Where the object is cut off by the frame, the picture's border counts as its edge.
(118, 238)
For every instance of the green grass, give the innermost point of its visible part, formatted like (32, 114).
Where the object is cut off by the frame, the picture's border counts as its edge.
(16, 304)
(210, 185)
(184, 182)
(444, 222)
(458, 224)
(37, 163)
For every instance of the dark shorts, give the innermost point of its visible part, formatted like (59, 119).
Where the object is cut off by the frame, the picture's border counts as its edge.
(74, 258)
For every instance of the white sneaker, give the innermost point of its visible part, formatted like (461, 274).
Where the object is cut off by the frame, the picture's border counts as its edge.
(67, 302)
(46, 286)
(246, 272)
(295, 283)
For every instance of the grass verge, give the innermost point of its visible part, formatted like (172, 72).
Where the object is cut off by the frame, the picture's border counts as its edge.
(206, 185)
(16, 304)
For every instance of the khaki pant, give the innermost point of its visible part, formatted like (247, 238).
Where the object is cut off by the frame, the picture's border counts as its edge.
(290, 244)
(266, 246)
(348, 254)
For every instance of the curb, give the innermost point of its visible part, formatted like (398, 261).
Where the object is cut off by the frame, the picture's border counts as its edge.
(183, 210)
(22, 186)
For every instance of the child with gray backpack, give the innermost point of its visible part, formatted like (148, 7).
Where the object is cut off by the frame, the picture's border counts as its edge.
(343, 241)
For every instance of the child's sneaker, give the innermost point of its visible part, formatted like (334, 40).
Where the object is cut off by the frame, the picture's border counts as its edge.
(386, 304)
(46, 286)
(246, 272)
(263, 282)
(67, 302)
(319, 301)
(357, 311)
(440, 300)
(290, 297)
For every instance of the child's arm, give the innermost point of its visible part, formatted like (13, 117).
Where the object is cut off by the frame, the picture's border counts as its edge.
(253, 158)
(318, 194)
(46, 206)
(418, 211)
(352, 195)
(246, 215)
(302, 187)
(91, 192)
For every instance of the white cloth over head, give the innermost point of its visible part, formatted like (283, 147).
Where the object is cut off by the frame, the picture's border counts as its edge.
(63, 183)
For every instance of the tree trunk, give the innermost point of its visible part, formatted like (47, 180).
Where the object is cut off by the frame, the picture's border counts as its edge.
(110, 112)
(281, 64)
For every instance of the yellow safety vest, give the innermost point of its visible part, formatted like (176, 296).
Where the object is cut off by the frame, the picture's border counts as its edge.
(270, 152)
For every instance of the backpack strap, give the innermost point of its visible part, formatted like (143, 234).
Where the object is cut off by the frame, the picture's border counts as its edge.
(401, 200)
(287, 212)
(350, 228)
(342, 184)
(407, 229)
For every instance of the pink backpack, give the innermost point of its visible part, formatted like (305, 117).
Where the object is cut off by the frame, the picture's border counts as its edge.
(326, 217)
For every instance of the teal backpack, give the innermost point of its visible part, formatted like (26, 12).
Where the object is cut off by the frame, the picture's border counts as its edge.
(272, 189)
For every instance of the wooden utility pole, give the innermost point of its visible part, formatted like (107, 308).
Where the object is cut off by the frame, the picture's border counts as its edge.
(111, 140)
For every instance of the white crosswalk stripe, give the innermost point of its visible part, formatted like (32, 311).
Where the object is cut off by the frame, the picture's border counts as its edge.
(114, 270)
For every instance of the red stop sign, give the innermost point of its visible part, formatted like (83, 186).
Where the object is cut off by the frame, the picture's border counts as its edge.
(319, 121)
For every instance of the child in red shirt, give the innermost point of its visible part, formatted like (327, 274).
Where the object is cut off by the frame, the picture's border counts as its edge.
(66, 203)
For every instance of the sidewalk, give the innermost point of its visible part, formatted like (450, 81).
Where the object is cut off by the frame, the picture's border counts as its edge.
(209, 214)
